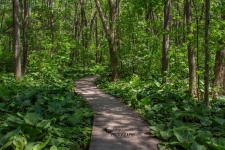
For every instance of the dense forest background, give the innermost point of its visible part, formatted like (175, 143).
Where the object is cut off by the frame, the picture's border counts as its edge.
(143, 50)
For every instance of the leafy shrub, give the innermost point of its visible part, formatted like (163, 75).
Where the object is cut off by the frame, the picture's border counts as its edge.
(178, 120)
(42, 113)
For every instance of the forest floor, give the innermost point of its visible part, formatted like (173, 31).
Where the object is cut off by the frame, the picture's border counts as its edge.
(116, 126)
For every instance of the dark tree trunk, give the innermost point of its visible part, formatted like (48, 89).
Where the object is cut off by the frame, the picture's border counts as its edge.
(84, 36)
(25, 44)
(206, 78)
(112, 42)
(166, 40)
(96, 41)
(16, 32)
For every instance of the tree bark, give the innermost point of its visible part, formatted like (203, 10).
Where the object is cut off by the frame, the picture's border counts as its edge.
(85, 38)
(219, 73)
(184, 23)
(206, 78)
(166, 39)
(219, 69)
(191, 57)
(16, 32)
(51, 5)
(197, 46)
(110, 32)
(25, 44)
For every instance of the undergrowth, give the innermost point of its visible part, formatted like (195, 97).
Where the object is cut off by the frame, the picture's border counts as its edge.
(177, 119)
(42, 112)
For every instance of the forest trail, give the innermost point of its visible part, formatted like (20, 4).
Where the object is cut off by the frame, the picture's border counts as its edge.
(115, 126)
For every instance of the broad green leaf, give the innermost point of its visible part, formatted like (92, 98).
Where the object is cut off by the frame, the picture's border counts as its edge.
(32, 118)
(5, 138)
(166, 134)
(163, 145)
(59, 141)
(15, 120)
(53, 148)
(7, 144)
(183, 135)
(219, 120)
(145, 101)
(19, 142)
(196, 146)
(35, 146)
(44, 124)
(205, 121)
(30, 130)
(217, 143)
(205, 134)
(157, 107)
(42, 145)
(167, 145)
(29, 146)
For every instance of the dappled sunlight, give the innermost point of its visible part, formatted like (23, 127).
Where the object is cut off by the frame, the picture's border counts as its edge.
(116, 126)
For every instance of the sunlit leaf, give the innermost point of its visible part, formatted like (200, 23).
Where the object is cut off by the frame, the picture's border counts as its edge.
(32, 118)
(196, 146)
(53, 148)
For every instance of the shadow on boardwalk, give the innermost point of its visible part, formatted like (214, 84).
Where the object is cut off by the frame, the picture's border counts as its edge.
(116, 126)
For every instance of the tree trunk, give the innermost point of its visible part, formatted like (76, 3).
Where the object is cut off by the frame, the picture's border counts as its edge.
(112, 41)
(110, 32)
(184, 24)
(197, 46)
(219, 73)
(16, 32)
(206, 78)
(25, 44)
(166, 40)
(84, 35)
(191, 58)
(51, 5)
(96, 41)
(219, 69)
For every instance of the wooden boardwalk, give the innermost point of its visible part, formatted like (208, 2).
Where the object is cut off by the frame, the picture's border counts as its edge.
(115, 126)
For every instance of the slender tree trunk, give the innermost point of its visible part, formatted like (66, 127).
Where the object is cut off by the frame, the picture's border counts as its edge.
(184, 23)
(166, 39)
(96, 41)
(118, 37)
(51, 5)
(25, 44)
(110, 32)
(75, 29)
(206, 78)
(2, 19)
(197, 46)
(16, 32)
(84, 36)
(191, 58)
(178, 37)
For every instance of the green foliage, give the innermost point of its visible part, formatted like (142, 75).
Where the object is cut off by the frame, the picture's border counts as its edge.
(42, 112)
(178, 120)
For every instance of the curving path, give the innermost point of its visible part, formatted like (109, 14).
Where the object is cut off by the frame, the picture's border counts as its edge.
(115, 126)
